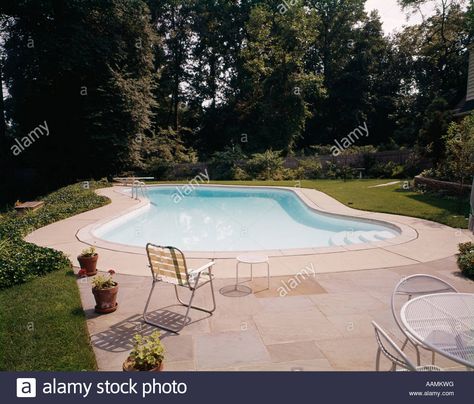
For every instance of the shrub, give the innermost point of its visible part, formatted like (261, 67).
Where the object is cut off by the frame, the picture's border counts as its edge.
(334, 171)
(239, 174)
(459, 142)
(387, 170)
(21, 261)
(309, 169)
(225, 163)
(466, 259)
(267, 166)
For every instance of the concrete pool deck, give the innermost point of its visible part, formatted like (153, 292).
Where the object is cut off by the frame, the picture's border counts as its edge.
(322, 321)
(322, 324)
(421, 241)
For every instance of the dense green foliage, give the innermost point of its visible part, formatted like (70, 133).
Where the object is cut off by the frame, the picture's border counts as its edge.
(43, 326)
(466, 259)
(21, 261)
(140, 85)
(460, 150)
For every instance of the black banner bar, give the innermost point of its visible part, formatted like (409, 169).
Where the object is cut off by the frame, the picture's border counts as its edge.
(237, 387)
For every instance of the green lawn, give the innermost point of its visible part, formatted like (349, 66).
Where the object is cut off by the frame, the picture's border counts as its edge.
(390, 199)
(42, 326)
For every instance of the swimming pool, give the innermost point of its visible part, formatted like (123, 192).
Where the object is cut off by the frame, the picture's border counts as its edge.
(237, 219)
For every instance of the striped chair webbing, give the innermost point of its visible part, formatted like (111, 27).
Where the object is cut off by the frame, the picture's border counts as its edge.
(168, 264)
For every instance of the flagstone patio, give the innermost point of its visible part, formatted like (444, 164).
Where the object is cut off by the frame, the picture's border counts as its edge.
(322, 324)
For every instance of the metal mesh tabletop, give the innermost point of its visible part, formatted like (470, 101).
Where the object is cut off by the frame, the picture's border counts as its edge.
(443, 322)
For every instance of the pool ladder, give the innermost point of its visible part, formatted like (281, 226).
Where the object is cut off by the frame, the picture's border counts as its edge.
(139, 187)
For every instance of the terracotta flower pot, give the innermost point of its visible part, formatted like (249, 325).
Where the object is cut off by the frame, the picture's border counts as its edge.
(128, 367)
(89, 264)
(106, 299)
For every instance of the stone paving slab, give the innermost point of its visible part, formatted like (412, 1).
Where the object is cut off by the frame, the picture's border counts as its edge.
(228, 349)
(330, 330)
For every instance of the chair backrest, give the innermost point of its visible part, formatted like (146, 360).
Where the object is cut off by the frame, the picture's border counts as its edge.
(417, 285)
(168, 264)
(391, 350)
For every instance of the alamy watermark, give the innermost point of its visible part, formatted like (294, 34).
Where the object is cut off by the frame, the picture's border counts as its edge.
(26, 141)
(285, 5)
(189, 188)
(349, 140)
(296, 280)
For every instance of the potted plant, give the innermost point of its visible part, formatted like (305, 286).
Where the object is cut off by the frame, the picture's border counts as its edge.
(147, 354)
(105, 291)
(88, 260)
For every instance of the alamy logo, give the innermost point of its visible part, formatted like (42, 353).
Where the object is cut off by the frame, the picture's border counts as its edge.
(26, 141)
(26, 387)
(349, 140)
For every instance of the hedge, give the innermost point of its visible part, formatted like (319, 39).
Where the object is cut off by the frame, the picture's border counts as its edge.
(21, 261)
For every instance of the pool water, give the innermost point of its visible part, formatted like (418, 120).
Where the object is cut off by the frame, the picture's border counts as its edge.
(236, 219)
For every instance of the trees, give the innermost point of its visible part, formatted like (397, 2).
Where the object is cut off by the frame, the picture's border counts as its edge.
(123, 81)
(86, 69)
(438, 46)
(329, 54)
(272, 103)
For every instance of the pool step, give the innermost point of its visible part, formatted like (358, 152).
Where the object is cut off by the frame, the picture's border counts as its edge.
(370, 236)
(358, 237)
(354, 237)
(338, 239)
(384, 235)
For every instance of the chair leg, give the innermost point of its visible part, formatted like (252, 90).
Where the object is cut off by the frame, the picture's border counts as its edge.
(210, 311)
(160, 325)
(418, 359)
(377, 360)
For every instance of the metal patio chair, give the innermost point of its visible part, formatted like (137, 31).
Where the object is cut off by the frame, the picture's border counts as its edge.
(394, 354)
(168, 264)
(413, 286)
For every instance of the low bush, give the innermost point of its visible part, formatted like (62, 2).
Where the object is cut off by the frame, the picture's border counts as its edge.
(21, 261)
(335, 171)
(224, 164)
(466, 259)
(309, 169)
(386, 170)
(267, 166)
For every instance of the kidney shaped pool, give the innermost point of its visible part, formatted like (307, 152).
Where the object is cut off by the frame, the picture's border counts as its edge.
(237, 219)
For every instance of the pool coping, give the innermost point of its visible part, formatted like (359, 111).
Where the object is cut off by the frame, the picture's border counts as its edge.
(407, 233)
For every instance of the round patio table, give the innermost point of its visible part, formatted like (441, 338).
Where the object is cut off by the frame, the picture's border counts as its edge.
(443, 322)
(238, 290)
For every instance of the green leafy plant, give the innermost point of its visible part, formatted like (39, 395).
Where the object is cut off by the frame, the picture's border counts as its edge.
(224, 164)
(147, 352)
(459, 164)
(466, 259)
(267, 165)
(21, 261)
(104, 281)
(309, 169)
(88, 252)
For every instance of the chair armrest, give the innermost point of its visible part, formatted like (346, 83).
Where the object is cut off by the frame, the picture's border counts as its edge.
(201, 269)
